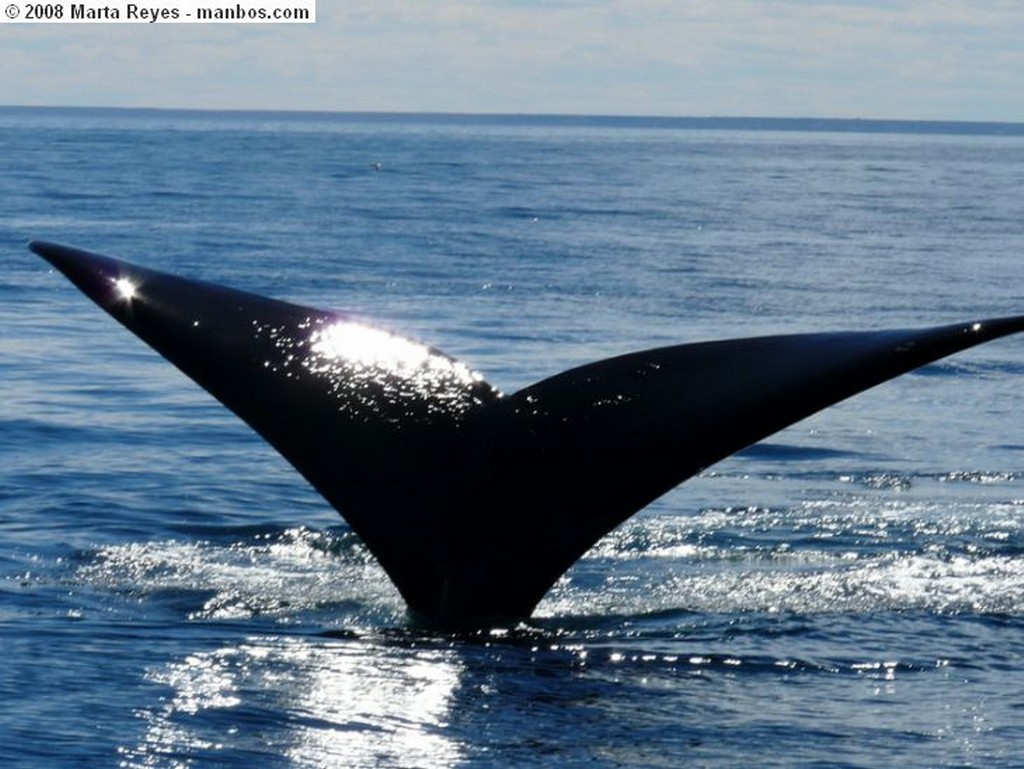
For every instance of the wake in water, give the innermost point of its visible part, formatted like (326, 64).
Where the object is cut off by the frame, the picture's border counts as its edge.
(847, 555)
(670, 611)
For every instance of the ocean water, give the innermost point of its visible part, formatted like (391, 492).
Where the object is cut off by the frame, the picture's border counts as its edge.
(848, 593)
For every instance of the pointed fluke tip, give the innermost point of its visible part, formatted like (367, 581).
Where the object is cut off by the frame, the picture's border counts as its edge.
(993, 328)
(54, 253)
(101, 278)
(68, 259)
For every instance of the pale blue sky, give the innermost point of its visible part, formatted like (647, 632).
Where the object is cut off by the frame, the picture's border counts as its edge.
(924, 59)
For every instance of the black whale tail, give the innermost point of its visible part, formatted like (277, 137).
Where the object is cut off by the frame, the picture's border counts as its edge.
(474, 502)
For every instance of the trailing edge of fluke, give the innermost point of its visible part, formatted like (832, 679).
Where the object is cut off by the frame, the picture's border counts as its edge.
(476, 502)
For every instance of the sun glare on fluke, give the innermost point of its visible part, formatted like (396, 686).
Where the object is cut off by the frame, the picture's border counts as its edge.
(369, 346)
(125, 289)
(475, 503)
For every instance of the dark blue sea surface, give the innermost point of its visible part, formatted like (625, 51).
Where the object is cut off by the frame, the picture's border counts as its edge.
(848, 593)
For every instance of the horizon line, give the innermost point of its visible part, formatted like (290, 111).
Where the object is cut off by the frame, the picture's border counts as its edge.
(808, 120)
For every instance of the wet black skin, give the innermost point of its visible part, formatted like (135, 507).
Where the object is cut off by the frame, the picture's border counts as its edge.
(475, 502)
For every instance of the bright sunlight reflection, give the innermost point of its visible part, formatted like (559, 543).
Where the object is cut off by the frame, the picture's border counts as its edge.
(369, 346)
(319, 703)
(126, 289)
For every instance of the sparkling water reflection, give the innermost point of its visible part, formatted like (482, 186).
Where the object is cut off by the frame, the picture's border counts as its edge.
(348, 705)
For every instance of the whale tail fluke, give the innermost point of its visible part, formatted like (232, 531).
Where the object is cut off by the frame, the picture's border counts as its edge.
(474, 502)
